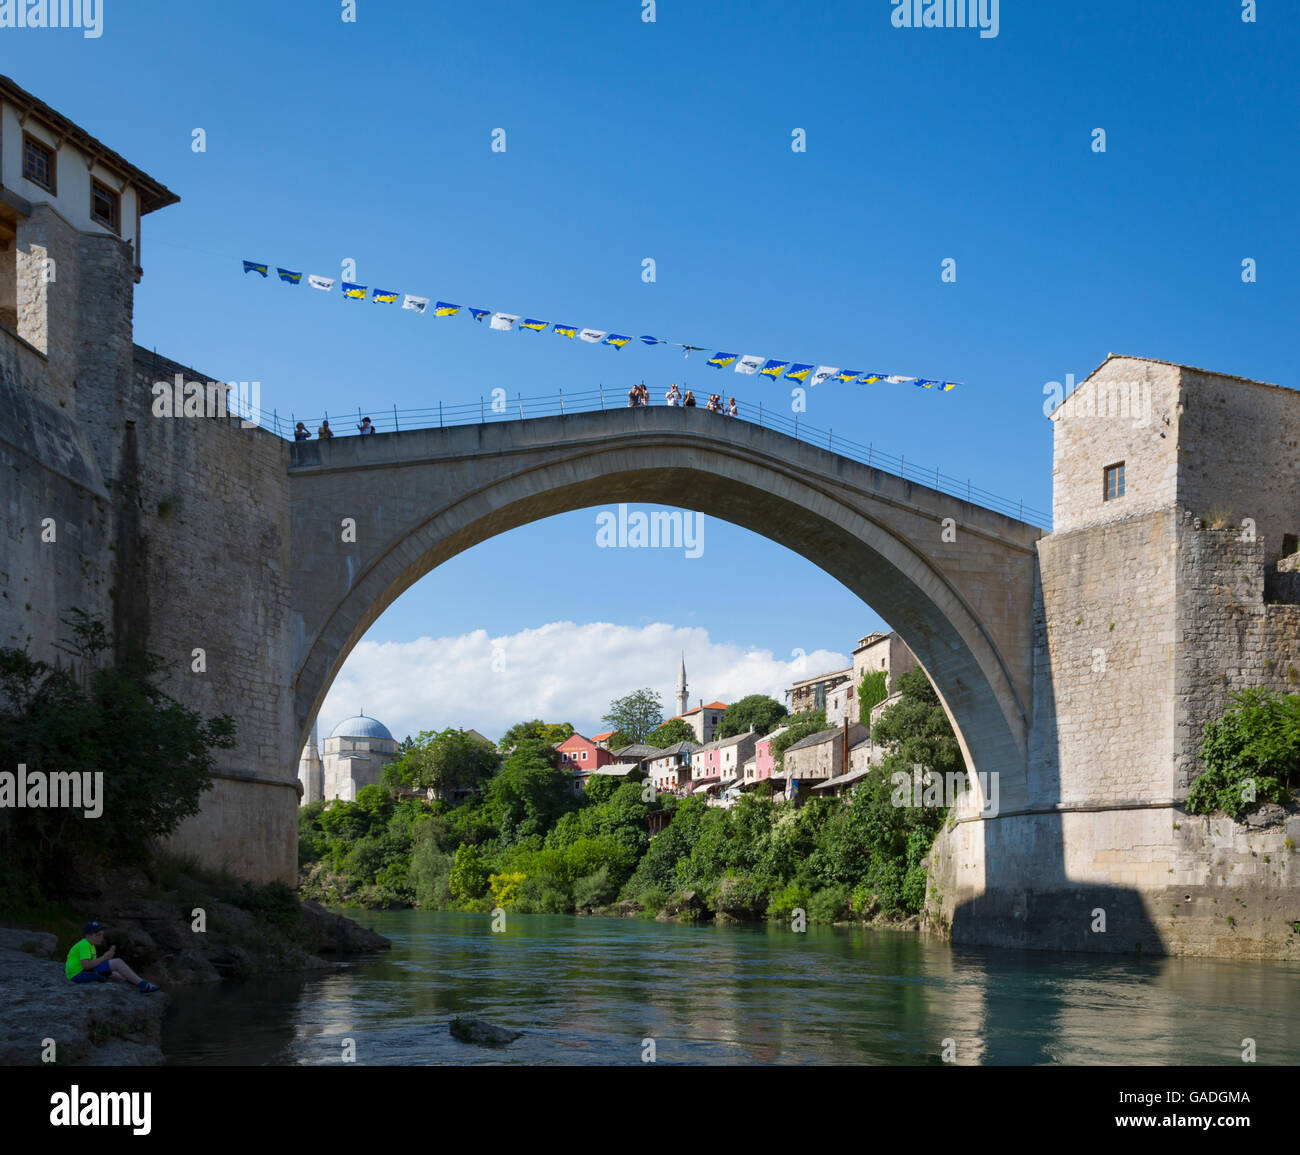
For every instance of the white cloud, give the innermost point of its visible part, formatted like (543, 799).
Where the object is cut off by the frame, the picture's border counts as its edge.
(562, 672)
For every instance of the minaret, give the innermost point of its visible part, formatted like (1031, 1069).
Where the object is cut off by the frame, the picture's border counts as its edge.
(683, 703)
(310, 770)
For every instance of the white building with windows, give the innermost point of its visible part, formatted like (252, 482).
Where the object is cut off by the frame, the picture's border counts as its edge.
(47, 160)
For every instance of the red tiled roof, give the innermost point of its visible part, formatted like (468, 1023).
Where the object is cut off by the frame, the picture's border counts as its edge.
(706, 706)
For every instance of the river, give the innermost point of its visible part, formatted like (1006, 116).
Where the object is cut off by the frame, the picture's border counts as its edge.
(593, 990)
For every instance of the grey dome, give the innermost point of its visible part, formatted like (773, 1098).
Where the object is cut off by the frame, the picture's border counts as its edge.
(361, 727)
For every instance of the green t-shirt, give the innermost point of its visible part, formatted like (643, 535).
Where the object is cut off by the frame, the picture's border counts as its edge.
(82, 950)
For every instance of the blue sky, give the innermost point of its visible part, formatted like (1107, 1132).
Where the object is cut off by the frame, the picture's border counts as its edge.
(625, 140)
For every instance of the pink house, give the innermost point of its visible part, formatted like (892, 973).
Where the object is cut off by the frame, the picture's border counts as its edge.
(764, 762)
(579, 753)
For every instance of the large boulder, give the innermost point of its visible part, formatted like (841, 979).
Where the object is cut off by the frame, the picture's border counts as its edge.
(480, 1033)
(34, 942)
(334, 934)
(89, 1024)
(739, 901)
(687, 906)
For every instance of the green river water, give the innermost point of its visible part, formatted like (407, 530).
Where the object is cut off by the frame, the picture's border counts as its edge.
(592, 990)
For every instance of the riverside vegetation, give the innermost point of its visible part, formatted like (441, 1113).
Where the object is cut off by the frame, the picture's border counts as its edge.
(522, 841)
(58, 868)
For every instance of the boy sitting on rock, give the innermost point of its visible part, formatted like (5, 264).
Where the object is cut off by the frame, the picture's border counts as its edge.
(86, 966)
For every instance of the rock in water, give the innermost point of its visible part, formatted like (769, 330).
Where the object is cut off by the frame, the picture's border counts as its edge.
(484, 1034)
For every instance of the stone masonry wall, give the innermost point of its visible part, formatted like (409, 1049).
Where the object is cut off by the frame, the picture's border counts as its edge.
(172, 529)
(1104, 669)
(1125, 411)
(1227, 639)
(1239, 455)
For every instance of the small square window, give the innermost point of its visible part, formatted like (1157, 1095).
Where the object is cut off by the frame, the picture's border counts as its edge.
(38, 162)
(1113, 481)
(105, 206)
(584, 755)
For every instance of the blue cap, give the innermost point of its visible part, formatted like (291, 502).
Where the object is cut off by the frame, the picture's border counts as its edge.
(92, 928)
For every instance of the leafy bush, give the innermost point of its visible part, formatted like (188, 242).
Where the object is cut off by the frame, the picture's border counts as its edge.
(155, 756)
(1251, 755)
(469, 877)
(274, 901)
(829, 904)
(429, 876)
(595, 889)
(787, 900)
(505, 888)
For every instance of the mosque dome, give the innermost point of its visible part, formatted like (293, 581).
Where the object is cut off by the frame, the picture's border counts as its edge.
(361, 727)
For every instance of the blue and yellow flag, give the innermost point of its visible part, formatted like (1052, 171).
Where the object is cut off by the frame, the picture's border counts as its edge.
(384, 297)
(870, 378)
(479, 314)
(617, 340)
(445, 309)
(947, 385)
(569, 331)
(288, 277)
(534, 324)
(799, 372)
(254, 267)
(773, 369)
(356, 292)
(846, 375)
(924, 383)
(721, 360)
(652, 340)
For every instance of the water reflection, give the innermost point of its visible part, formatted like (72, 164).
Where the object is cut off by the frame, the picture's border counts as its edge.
(589, 990)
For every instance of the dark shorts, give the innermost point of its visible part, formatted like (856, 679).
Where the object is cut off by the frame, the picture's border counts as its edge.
(98, 975)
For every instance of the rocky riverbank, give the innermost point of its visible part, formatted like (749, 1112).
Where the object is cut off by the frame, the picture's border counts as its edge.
(173, 930)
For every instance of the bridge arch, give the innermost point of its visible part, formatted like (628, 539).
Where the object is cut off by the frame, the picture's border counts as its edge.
(420, 497)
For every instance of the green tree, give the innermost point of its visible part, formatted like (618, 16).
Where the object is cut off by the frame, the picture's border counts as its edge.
(756, 712)
(669, 734)
(917, 729)
(549, 732)
(155, 756)
(1251, 755)
(872, 690)
(469, 876)
(530, 792)
(636, 714)
(444, 761)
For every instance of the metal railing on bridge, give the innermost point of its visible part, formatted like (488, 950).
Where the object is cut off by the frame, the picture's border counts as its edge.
(487, 409)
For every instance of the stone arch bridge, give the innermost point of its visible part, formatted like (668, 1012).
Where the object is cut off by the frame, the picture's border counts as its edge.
(961, 599)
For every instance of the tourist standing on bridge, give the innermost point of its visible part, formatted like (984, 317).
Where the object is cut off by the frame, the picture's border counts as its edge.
(644, 394)
(365, 426)
(300, 433)
(673, 397)
(633, 397)
(714, 405)
(690, 399)
(732, 411)
(324, 431)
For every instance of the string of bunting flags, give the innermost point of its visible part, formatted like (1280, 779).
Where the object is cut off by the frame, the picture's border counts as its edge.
(749, 364)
